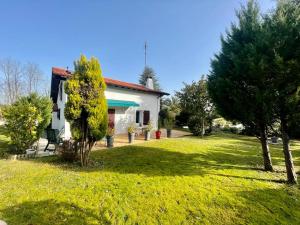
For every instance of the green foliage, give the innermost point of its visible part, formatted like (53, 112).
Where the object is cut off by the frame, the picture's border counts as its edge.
(110, 132)
(172, 104)
(149, 72)
(26, 120)
(131, 128)
(215, 180)
(4, 143)
(167, 118)
(239, 83)
(196, 103)
(149, 126)
(283, 26)
(86, 108)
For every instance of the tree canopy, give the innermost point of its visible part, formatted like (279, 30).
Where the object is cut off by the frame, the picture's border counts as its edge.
(255, 78)
(26, 120)
(283, 27)
(149, 72)
(195, 100)
(239, 83)
(86, 108)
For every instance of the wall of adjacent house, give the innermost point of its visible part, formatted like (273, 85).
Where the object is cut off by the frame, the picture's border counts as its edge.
(123, 116)
(60, 123)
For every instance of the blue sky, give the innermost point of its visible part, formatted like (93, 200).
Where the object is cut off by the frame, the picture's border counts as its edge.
(182, 35)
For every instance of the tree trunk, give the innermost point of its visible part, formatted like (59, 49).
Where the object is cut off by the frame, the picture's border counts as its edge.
(203, 129)
(290, 170)
(265, 150)
(84, 142)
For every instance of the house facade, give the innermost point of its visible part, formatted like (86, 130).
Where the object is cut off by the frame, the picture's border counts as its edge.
(128, 103)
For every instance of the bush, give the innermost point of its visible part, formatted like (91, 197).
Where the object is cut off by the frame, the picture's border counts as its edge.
(195, 125)
(182, 119)
(233, 130)
(26, 119)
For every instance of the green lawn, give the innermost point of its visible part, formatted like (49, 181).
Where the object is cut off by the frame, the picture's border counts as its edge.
(215, 180)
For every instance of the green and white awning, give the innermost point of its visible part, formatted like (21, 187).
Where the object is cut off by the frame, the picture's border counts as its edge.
(121, 103)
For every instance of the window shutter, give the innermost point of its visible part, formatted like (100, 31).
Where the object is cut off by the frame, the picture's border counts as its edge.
(146, 117)
(58, 114)
(137, 116)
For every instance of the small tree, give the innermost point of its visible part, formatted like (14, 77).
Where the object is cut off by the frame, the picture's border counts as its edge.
(26, 120)
(149, 72)
(86, 109)
(172, 104)
(196, 102)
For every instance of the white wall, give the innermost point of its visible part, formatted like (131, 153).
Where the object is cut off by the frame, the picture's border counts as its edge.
(61, 123)
(123, 116)
(126, 116)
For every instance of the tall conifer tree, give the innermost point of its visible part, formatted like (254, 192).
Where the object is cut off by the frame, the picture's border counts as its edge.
(86, 108)
(239, 83)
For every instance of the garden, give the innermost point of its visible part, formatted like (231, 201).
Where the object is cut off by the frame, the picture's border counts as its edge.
(217, 179)
(238, 163)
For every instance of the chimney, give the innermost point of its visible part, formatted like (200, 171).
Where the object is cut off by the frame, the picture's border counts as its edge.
(149, 83)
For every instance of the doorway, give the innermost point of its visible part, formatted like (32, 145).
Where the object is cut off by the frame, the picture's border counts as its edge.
(111, 118)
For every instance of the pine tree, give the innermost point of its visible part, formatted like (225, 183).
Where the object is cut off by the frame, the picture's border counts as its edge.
(86, 108)
(149, 72)
(240, 82)
(284, 39)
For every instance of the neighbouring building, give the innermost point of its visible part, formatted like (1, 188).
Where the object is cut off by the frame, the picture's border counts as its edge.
(127, 103)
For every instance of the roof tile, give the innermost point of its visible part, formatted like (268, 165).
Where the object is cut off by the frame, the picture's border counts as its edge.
(109, 82)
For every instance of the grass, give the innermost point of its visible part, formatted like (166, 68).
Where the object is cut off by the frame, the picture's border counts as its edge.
(215, 180)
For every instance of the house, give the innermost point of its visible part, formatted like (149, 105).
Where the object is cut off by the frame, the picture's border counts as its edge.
(127, 103)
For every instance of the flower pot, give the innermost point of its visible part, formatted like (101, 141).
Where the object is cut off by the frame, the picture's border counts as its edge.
(274, 140)
(110, 141)
(131, 137)
(147, 135)
(169, 133)
(157, 134)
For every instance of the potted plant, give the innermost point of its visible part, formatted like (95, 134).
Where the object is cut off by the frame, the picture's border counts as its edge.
(110, 137)
(131, 132)
(169, 122)
(158, 132)
(149, 127)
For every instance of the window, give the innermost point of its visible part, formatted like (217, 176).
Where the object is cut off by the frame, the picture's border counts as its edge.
(60, 90)
(58, 114)
(137, 116)
(146, 117)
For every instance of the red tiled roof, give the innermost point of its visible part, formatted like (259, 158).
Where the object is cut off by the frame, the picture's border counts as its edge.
(109, 82)
(61, 72)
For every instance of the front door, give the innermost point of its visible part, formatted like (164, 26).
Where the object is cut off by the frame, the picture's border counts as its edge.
(111, 118)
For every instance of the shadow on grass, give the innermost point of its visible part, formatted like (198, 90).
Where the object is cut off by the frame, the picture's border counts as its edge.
(271, 206)
(241, 153)
(138, 160)
(152, 161)
(49, 212)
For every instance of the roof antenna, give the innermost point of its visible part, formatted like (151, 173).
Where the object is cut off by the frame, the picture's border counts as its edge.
(145, 53)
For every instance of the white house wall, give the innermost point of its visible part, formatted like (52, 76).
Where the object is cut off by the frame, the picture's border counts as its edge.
(123, 116)
(61, 124)
(126, 116)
